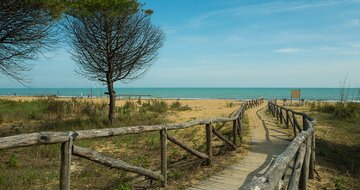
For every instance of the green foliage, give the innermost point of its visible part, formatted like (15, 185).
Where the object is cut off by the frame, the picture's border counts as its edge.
(155, 106)
(343, 110)
(176, 106)
(13, 161)
(230, 104)
(123, 186)
(110, 7)
(339, 183)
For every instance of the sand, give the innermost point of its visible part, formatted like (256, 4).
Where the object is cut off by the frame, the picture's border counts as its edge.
(200, 108)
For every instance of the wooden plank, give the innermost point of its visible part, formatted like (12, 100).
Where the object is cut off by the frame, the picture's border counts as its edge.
(114, 163)
(187, 148)
(209, 143)
(295, 175)
(163, 153)
(65, 165)
(218, 134)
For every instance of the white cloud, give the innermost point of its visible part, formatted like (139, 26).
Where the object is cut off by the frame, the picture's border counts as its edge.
(354, 22)
(287, 50)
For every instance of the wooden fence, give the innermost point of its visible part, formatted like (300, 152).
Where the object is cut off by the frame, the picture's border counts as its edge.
(68, 148)
(299, 156)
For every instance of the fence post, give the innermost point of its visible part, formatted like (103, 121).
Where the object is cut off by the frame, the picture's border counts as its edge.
(305, 169)
(235, 132)
(287, 119)
(208, 142)
(281, 116)
(163, 147)
(312, 160)
(65, 167)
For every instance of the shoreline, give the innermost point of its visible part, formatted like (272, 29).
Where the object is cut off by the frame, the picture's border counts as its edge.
(164, 98)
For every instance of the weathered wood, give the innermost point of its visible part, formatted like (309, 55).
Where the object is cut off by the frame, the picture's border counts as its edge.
(209, 143)
(295, 175)
(108, 132)
(312, 159)
(296, 123)
(187, 148)
(305, 123)
(65, 165)
(114, 163)
(240, 129)
(281, 116)
(163, 152)
(218, 134)
(287, 119)
(276, 170)
(235, 132)
(32, 139)
(305, 170)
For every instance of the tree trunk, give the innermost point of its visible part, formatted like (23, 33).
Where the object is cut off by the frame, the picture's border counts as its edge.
(111, 94)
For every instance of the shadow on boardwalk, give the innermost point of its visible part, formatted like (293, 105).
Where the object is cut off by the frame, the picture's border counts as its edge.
(268, 140)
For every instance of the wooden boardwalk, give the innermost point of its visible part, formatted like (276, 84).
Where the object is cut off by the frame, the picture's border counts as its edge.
(268, 140)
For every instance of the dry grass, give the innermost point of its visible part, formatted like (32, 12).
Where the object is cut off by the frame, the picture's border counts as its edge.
(337, 151)
(38, 167)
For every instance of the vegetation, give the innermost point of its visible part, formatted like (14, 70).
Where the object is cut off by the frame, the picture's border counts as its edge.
(349, 111)
(112, 45)
(337, 143)
(37, 167)
(26, 30)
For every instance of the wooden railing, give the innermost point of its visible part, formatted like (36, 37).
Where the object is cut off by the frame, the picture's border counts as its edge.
(299, 156)
(66, 139)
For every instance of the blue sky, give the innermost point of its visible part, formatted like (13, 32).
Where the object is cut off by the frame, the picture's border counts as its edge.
(235, 43)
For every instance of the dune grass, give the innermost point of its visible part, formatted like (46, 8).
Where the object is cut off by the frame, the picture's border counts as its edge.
(38, 167)
(337, 144)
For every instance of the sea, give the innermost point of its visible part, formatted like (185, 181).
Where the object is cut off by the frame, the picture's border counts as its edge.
(327, 94)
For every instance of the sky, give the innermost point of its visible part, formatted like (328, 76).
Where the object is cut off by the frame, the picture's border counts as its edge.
(235, 43)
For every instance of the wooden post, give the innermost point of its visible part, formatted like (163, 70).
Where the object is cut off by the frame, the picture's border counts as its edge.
(294, 124)
(312, 160)
(305, 123)
(239, 127)
(277, 113)
(163, 146)
(281, 116)
(287, 119)
(65, 167)
(305, 170)
(235, 132)
(209, 142)
(296, 171)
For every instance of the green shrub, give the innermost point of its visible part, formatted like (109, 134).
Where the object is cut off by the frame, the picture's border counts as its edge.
(13, 161)
(156, 106)
(176, 106)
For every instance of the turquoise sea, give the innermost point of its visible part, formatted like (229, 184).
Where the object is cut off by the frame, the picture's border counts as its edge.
(190, 93)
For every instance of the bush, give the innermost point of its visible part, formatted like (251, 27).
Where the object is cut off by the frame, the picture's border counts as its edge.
(341, 110)
(156, 106)
(176, 106)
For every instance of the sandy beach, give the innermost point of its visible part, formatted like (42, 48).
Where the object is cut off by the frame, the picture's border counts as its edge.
(200, 108)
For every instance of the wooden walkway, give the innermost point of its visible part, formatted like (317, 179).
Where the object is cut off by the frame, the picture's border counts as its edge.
(268, 140)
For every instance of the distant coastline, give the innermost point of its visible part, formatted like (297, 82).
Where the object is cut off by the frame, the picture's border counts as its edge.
(325, 94)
